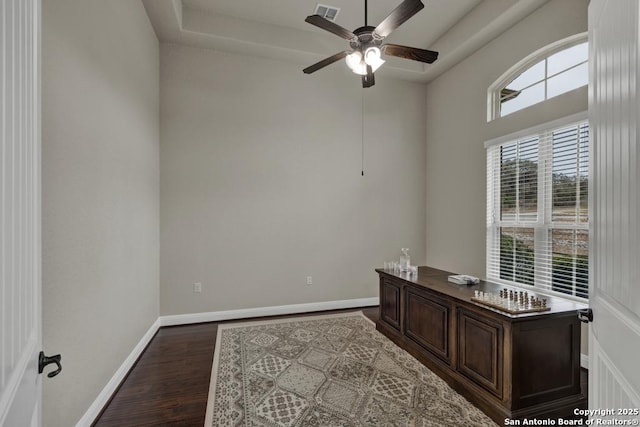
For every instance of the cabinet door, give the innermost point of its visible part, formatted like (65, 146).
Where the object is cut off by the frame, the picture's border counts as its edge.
(546, 360)
(390, 303)
(427, 322)
(480, 351)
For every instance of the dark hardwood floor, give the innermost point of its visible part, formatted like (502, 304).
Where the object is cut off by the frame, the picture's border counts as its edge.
(169, 384)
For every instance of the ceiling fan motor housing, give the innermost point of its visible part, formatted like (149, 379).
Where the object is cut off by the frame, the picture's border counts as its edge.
(366, 37)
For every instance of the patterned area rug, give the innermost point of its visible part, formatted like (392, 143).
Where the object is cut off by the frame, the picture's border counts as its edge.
(326, 371)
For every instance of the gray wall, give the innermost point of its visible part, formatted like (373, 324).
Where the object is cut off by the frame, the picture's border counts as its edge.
(261, 184)
(457, 129)
(100, 130)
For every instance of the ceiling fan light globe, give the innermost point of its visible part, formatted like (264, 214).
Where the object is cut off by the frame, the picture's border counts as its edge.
(375, 65)
(358, 64)
(354, 59)
(372, 58)
(360, 68)
(372, 55)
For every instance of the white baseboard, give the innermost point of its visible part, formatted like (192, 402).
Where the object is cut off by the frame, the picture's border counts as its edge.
(94, 410)
(584, 360)
(217, 316)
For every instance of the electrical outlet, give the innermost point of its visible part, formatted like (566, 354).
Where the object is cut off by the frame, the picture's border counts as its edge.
(309, 280)
(197, 287)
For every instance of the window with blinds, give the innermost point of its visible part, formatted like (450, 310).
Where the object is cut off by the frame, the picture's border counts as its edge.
(537, 208)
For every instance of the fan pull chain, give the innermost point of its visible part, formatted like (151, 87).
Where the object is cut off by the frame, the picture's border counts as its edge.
(362, 133)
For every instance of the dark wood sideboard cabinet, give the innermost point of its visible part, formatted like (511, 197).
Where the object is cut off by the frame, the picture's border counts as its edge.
(510, 366)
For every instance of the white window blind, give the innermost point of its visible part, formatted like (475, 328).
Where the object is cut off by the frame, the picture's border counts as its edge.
(537, 208)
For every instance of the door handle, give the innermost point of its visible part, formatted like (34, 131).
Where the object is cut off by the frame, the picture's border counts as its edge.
(47, 360)
(585, 315)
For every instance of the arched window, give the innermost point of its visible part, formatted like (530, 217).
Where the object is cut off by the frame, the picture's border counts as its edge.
(553, 70)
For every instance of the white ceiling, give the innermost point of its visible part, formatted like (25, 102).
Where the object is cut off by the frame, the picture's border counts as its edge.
(276, 28)
(425, 27)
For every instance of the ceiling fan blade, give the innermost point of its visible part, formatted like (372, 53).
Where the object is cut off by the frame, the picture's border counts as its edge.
(413, 53)
(400, 14)
(327, 25)
(368, 79)
(327, 61)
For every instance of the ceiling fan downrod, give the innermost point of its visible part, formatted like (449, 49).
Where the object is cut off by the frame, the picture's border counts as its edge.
(365, 13)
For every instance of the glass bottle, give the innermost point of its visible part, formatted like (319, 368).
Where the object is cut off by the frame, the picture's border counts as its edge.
(405, 260)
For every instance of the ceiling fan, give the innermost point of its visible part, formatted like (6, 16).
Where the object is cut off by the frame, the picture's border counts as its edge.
(364, 58)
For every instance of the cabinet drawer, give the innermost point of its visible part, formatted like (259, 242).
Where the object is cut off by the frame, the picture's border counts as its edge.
(427, 322)
(480, 350)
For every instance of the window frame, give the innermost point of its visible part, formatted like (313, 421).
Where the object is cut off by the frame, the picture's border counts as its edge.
(543, 224)
(494, 91)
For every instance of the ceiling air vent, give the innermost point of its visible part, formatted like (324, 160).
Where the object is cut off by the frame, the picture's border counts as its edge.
(327, 12)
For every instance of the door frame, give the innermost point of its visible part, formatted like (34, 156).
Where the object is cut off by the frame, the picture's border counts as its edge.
(20, 213)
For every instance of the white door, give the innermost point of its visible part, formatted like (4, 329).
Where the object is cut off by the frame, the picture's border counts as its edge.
(614, 114)
(20, 282)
